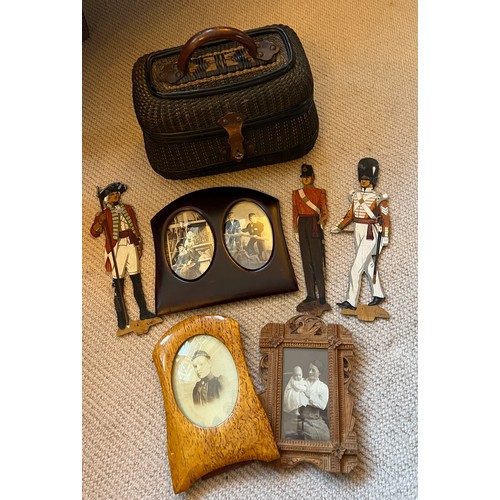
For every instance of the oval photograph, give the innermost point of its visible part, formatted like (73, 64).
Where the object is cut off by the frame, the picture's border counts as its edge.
(189, 245)
(248, 235)
(205, 381)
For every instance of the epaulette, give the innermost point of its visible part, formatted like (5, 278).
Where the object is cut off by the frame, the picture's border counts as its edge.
(351, 195)
(381, 197)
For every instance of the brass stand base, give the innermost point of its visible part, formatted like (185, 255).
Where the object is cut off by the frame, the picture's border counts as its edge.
(367, 313)
(139, 327)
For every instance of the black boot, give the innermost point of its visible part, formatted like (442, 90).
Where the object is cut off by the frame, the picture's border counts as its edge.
(325, 306)
(139, 297)
(119, 303)
(346, 305)
(306, 304)
(376, 300)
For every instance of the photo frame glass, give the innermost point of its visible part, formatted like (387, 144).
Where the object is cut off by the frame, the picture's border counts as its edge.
(198, 265)
(205, 381)
(306, 366)
(305, 409)
(189, 245)
(248, 235)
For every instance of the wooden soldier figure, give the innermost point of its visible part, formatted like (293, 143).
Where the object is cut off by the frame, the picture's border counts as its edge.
(123, 252)
(310, 214)
(370, 213)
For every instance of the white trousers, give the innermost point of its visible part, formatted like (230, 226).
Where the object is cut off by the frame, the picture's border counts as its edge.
(127, 258)
(363, 263)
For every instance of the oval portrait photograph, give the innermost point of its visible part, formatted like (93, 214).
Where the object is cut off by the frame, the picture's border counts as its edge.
(189, 245)
(205, 381)
(248, 235)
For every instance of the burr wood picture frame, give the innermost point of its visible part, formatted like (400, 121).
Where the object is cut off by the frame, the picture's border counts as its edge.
(306, 365)
(219, 245)
(214, 418)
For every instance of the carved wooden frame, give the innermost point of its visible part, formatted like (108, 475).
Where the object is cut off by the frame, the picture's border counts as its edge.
(195, 451)
(339, 454)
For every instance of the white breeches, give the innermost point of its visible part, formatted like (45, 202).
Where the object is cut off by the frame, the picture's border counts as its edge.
(363, 263)
(127, 258)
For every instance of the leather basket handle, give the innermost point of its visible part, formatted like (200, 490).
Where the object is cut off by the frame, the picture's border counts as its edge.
(263, 50)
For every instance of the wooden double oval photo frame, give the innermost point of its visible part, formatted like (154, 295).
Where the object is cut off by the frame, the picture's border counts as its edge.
(199, 262)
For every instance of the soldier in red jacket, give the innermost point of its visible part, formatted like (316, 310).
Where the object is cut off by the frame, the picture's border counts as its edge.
(124, 240)
(309, 216)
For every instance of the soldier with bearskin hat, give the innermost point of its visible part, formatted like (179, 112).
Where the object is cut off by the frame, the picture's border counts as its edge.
(123, 248)
(370, 213)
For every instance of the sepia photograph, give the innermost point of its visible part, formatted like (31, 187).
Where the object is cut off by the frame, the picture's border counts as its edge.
(189, 245)
(306, 365)
(219, 245)
(248, 235)
(205, 381)
(305, 395)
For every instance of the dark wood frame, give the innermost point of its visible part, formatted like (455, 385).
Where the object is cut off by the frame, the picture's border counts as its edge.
(339, 454)
(193, 451)
(224, 280)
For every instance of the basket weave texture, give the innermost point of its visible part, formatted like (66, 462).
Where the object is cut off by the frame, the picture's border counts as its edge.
(268, 93)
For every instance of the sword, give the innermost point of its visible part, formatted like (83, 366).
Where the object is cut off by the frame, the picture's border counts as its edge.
(377, 255)
(323, 248)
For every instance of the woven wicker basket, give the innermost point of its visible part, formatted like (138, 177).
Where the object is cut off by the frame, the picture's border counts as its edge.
(226, 100)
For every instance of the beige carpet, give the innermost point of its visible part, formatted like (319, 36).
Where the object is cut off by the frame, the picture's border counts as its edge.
(364, 61)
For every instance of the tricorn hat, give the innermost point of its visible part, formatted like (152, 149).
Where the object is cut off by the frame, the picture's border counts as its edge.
(368, 169)
(306, 170)
(112, 188)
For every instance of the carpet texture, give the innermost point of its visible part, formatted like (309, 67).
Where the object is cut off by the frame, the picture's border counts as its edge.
(363, 57)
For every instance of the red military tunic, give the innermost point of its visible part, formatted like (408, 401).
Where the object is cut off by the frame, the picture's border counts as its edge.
(132, 233)
(299, 207)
